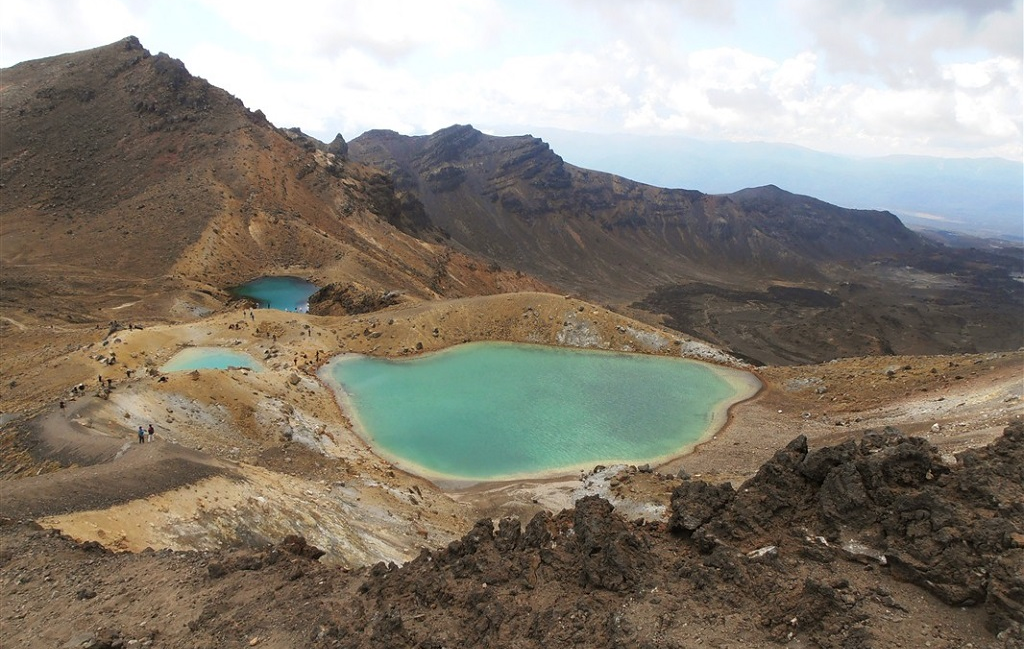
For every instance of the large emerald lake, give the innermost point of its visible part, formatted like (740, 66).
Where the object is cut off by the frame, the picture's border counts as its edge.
(490, 411)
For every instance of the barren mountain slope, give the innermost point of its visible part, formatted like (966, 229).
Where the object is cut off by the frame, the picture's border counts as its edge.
(773, 276)
(124, 176)
(134, 192)
(515, 200)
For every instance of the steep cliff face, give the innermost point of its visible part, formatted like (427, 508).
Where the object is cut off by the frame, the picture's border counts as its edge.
(514, 199)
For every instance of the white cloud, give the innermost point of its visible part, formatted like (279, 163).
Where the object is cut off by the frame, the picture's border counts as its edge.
(647, 13)
(728, 68)
(390, 30)
(874, 77)
(971, 8)
(906, 113)
(794, 80)
(30, 28)
(902, 40)
(987, 97)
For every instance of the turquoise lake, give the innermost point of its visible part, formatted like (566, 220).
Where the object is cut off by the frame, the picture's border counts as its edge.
(490, 411)
(283, 293)
(209, 358)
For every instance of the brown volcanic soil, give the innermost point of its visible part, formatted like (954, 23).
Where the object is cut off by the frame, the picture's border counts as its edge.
(242, 460)
(926, 553)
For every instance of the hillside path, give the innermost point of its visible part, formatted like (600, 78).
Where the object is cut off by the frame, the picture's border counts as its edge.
(105, 470)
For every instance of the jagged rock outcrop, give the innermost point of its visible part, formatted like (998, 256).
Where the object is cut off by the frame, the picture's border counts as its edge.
(338, 146)
(789, 547)
(611, 554)
(954, 531)
(335, 152)
(349, 299)
(694, 503)
(936, 557)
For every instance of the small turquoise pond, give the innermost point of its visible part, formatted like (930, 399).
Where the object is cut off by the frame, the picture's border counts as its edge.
(284, 293)
(490, 411)
(209, 358)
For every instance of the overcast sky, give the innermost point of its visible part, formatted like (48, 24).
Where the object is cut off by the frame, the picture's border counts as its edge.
(865, 77)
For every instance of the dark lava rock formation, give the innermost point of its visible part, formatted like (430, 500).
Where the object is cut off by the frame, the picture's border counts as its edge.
(872, 543)
(808, 547)
(349, 299)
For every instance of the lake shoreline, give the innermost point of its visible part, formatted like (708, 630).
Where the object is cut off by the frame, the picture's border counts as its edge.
(745, 386)
(210, 357)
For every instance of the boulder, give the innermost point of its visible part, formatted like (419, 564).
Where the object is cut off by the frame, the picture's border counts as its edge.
(611, 556)
(696, 502)
(350, 299)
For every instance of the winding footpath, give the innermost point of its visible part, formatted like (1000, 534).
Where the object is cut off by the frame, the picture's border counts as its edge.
(103, 470)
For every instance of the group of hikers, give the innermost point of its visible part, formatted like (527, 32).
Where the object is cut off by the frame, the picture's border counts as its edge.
(143, 432)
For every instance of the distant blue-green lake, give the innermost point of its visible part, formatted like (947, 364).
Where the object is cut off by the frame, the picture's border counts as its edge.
(283, 293)
(490, 411)
(209, 358)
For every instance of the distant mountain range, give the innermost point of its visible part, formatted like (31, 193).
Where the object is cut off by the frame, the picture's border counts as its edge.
(774, 276)
(978, 196)
(515, 200)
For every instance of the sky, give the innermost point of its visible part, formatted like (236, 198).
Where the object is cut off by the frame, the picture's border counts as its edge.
(858, 77)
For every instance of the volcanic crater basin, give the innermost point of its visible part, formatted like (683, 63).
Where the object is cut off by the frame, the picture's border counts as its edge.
(285, 292)
(497, 411)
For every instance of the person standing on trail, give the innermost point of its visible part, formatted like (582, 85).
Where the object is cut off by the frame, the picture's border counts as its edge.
(151, 432)
(142, 435)
(62, 406)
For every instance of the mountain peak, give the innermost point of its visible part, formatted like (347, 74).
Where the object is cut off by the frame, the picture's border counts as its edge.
(769, 191)
(457, 130)
(130, 43)
(450, 144)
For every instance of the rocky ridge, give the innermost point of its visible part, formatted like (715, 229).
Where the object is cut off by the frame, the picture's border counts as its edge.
(770, 275)
(516, 201)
